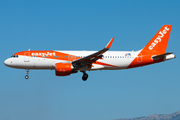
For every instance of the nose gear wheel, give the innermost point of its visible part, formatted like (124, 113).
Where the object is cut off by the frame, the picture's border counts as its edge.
(27, 71)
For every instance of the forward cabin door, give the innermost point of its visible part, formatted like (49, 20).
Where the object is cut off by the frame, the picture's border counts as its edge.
(26, 56)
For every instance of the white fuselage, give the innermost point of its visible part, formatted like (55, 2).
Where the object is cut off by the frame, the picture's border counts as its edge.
(111, 60)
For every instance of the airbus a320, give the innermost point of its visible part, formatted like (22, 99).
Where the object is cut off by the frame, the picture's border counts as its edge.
(67, 62)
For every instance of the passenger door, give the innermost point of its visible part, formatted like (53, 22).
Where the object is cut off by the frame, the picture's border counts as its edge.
(26, 57)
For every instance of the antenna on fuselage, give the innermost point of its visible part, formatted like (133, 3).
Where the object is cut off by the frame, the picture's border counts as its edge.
(29, 49)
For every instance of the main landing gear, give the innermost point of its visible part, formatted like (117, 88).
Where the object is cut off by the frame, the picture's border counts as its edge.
(85, 76)
(27, 71)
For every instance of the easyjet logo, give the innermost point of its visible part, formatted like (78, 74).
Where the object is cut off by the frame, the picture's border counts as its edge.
(44, 54)
(158, 39)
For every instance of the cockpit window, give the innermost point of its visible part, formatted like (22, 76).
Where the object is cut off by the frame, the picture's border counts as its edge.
(14, 56)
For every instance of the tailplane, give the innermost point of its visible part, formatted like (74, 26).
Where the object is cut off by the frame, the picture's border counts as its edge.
(166, 56)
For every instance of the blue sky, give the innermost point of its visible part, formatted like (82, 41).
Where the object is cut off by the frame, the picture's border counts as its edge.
(87, 25)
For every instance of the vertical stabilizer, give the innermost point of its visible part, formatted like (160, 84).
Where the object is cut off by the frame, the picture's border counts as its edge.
(158, 44)
(154, 51)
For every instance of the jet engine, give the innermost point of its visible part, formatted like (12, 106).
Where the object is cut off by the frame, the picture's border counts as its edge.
(63, 69)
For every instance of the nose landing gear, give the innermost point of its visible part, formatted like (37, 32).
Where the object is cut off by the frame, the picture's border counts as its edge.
(27, 71)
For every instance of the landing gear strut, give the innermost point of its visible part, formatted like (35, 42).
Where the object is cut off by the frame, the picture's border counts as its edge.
(27, 71)
(85, 76)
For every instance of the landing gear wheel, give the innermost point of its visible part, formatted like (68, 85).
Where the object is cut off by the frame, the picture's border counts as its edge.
(26, 77)
(27, 71)
(85, 77)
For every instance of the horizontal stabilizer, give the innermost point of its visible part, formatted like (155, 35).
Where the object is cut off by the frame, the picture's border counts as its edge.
(157, 57)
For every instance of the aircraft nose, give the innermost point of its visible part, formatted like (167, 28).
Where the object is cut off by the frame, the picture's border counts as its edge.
(7, 62)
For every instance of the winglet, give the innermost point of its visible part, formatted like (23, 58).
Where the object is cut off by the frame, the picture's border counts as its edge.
(109, 44)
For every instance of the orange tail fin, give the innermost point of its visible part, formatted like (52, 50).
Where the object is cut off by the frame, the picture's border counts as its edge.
(158, 44)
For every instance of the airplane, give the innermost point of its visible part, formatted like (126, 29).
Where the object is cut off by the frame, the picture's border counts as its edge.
(68, 62)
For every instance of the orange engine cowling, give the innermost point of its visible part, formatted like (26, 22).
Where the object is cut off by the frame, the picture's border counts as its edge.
(63, 69)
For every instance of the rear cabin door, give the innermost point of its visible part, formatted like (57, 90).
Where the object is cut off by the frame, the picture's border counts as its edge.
(139, 58)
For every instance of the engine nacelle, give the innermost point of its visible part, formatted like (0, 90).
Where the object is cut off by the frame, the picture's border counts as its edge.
(63, 69)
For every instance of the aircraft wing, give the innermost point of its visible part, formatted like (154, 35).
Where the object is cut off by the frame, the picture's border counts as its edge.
(95, 56)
